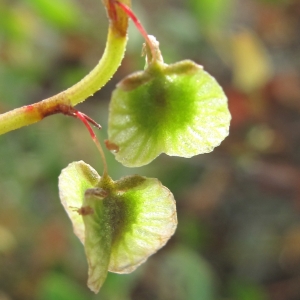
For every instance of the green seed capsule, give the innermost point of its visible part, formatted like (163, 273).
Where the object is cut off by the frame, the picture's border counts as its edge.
(121, 223)
(177, 109)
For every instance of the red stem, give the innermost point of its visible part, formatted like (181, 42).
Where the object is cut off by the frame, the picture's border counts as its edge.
(84, 118)
(138, 25)
(90, 120)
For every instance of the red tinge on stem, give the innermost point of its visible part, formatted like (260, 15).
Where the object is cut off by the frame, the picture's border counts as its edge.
(138, 25)
(85, 120)
(112, 10)
(29, 107)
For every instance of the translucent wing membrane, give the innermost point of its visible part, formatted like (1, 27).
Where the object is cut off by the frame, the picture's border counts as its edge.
(178, 109)
(121, 223)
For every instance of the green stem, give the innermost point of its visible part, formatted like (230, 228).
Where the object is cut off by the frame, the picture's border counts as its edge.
(97, 78)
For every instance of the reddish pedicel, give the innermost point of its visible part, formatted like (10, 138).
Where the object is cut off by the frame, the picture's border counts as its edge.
(29, 108)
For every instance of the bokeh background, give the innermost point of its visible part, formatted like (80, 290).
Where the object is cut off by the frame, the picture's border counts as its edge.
(238, 236)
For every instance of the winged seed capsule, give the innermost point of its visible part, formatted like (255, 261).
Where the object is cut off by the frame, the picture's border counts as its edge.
(177, 109)
(121, 223)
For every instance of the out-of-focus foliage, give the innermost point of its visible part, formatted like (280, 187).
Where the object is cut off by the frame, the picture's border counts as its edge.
(238, 231)
(212, 15)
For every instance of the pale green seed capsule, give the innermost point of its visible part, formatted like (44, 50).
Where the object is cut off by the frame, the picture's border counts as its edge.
(177, 109)
(121, 223)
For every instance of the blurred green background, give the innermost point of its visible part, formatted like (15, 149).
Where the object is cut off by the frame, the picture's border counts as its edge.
(238, 236)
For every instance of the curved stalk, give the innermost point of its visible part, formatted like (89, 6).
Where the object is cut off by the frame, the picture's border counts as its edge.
(85, 120)
(138, 25)
(98, 77)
